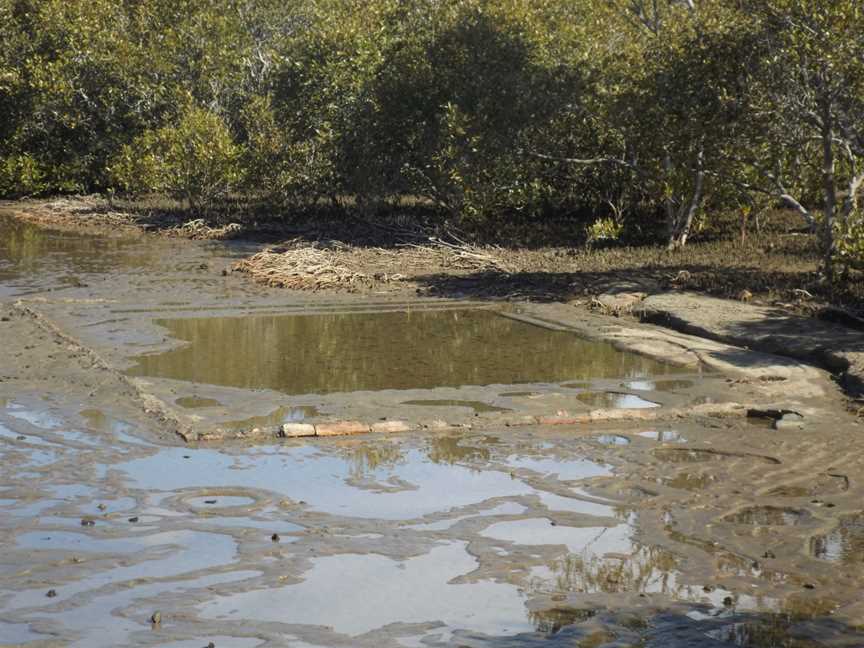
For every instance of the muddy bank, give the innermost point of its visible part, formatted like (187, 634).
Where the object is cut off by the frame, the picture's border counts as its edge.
(692, 530)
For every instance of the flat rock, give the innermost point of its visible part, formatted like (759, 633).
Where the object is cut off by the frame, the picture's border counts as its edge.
(619, 302)
(763, 328)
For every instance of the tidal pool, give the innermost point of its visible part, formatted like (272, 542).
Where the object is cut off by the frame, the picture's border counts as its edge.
(345, 352)
(413, 591)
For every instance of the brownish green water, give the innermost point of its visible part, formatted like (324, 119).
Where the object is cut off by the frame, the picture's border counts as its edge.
(303, 354)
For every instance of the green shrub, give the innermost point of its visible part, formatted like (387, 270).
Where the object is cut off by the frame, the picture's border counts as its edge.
(21, 175)
(195, 160)
(603, 229)
(850, 244)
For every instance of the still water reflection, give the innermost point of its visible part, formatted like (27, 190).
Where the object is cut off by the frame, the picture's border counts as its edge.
(397, 350)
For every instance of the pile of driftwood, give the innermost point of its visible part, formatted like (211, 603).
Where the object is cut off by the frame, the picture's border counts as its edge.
(459, 254)
(331, 265)
(199, 229)
(301, 268)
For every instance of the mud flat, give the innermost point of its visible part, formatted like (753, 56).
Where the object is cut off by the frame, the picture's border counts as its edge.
(661, 523)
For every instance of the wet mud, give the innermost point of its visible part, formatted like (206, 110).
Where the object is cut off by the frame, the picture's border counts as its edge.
(695, 531)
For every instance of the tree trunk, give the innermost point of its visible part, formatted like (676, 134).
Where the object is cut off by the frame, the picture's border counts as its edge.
(682, 222)
(670, 203)
(829, 184)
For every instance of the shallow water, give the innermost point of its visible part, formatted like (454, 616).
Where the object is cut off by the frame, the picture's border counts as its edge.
(304, 354)
(616, 400)
(507, 538)
(335, 589)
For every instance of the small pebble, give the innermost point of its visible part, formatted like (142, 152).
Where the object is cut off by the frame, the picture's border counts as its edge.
(275, 537)
(209, 501)
(51, 593)
(21, 437)
(134, 519)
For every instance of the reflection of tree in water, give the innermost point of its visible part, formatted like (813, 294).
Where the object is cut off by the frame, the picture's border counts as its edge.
(397, 350)
(448, 450)
(552, 620)
(845, 544)
(27, 245)
(646, 569)
(770, 631)
(366, 458)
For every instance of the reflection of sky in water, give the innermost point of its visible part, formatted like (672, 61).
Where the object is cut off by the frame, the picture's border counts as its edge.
(615, 400)
(667, 436)
(585, 541)
(17, 633)
(171, 553)
(573, 469)
(113, 630)
(355, 594)
(507, 508)
(613, 439)
(44, 420)
(320, 480)
(573, 505)
(227, 642)
(642, 385)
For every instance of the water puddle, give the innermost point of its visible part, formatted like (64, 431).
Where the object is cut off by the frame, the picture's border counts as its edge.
(555, 502)
(662, 385)
(477, 406)
(219, 641)
(845, 544)
(663, 436)
(411, 483)
(565, 470)
(203, 501)
(507, 508)
(302, 354)
(771, 633)
(613, 439)
(615, 400)
(196, 402)
(116, 629)
(413, 591)
(582, 541)
(39, 259)
(14, 634)
(550, 622)
(168, 554)
(275, 418)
